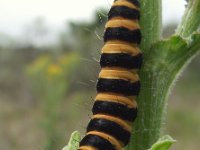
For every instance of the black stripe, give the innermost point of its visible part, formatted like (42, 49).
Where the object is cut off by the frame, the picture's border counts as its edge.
(124, 12)
(134, 2)
(110, 128)
(118, 86)
(97, 142)
(122, 34)
(115, 109)
(121, 60)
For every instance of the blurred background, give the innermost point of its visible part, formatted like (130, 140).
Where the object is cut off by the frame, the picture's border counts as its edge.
(49, 52)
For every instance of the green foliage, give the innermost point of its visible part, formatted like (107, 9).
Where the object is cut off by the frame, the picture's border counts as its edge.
(73, 142)
(164, 143)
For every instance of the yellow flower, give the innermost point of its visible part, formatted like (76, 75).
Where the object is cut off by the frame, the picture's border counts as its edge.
(54, 70)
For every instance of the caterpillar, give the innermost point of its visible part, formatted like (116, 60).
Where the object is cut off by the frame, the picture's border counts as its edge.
(115, 107)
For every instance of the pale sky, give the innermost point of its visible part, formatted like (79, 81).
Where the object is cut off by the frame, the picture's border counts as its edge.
(15, 14)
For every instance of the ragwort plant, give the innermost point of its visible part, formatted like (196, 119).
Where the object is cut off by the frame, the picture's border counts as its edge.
(164, 60)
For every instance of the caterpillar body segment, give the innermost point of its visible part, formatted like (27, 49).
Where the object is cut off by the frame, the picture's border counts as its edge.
(115, 107)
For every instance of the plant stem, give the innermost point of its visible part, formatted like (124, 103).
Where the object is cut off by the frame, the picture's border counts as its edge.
(191, 19)
(150, 22)
(146, 130)
(162, 62)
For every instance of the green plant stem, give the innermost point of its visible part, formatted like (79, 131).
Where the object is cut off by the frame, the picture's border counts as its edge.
(150, 22)
(191, 19)
(163, 61)
(146, 133)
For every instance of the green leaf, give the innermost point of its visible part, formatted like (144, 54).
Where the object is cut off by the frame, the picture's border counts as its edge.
(172, 54)
(165, 53)
(73, 142)
(163, 143)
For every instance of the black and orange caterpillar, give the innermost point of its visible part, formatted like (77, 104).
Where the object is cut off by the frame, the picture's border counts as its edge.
(115, 107)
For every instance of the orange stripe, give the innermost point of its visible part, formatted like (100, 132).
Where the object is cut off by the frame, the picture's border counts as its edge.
(120, 48)
(121, 122)
(130, 24)
(121, 42)
(121, 18)
(87, 148)
(110, 138)
(118, 74)
(125, 3)
(130, 102)
(118, 68)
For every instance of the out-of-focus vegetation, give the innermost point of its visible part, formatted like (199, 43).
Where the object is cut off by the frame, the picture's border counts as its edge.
(183, 120)
(45, 89)
(46, 92)
(50, 82)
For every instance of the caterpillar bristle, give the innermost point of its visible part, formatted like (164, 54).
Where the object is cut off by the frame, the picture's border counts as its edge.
(115, 107)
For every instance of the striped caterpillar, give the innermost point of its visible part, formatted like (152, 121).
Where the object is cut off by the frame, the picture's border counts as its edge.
(115, 107)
